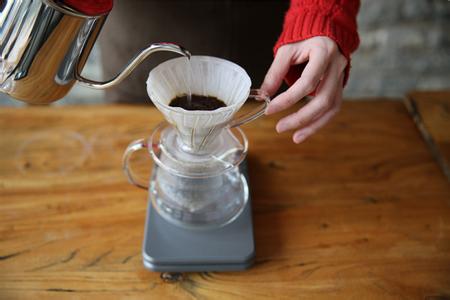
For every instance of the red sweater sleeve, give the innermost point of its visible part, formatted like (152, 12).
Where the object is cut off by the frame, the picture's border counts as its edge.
(335, 19)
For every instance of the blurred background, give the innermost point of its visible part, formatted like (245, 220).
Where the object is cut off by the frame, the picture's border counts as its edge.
(405, 44)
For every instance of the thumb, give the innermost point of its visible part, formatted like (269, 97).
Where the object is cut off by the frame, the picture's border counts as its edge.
(277, 71)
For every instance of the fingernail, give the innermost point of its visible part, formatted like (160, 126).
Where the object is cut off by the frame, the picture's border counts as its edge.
(281, 127)
(298, 138)
(269, 110)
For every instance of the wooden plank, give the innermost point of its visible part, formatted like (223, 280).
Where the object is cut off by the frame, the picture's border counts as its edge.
(431, 112)
(359, 211)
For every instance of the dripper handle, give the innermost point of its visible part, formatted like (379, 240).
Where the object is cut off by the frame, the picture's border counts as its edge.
(256, 94)
(133, 147)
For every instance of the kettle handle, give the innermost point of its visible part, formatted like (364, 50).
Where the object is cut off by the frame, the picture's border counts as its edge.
(132, 64)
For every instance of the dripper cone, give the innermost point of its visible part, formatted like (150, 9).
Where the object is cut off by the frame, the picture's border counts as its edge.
(207, 76)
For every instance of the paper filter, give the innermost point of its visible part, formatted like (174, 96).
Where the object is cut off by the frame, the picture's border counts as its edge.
(207, 76)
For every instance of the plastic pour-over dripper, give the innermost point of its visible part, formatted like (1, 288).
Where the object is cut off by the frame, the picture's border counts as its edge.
(206, 76)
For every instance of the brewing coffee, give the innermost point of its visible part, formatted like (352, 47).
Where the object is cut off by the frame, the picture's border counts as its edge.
(197, 102)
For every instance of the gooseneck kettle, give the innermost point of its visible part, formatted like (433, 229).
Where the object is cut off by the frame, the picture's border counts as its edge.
(44, 45)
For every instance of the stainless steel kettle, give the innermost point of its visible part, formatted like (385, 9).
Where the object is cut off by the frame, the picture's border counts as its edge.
(44, 45)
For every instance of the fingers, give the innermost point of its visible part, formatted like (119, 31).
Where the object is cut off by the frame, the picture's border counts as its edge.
(323, 73)
(321, 103)
(302, 134)
(277, 71)
(306, 84)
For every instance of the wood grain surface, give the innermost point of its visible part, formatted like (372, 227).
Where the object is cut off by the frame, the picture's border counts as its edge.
(359, 211)
(431, 112)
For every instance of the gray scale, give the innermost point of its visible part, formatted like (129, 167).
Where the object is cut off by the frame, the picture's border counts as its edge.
(169, 248)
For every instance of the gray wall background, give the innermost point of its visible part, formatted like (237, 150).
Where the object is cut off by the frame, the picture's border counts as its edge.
(405, 45)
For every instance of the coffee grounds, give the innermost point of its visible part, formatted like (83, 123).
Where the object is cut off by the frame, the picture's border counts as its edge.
(197, 102)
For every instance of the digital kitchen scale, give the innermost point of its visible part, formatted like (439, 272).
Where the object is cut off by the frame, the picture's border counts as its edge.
(169, 248)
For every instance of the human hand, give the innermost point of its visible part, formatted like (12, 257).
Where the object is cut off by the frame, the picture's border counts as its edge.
(324, 73)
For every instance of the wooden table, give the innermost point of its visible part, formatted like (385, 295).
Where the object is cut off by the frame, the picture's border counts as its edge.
(431, 112)
(359, 211)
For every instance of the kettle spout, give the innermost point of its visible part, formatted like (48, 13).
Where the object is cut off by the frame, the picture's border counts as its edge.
(132, 64)
(169, 47)
(181, 50)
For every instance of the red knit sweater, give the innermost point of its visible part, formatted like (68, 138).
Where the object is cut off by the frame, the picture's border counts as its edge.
(335, 19)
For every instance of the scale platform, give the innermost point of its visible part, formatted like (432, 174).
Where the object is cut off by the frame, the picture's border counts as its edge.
(169, 248)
